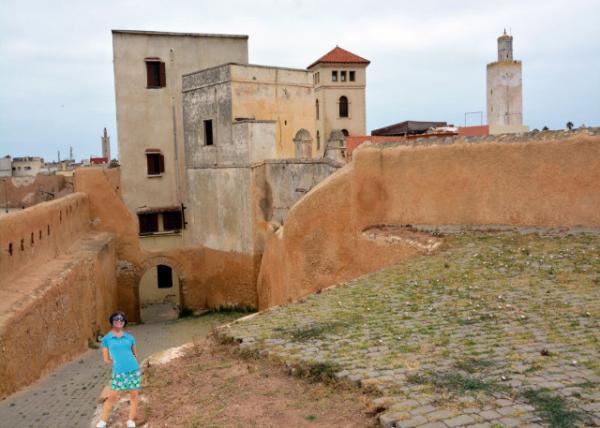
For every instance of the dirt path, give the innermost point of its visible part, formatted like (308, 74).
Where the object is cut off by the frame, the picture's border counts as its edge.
(212, 386)
(68, 396)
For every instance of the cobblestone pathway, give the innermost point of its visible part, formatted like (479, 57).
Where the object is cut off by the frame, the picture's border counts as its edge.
(68, 397)
(497, 330)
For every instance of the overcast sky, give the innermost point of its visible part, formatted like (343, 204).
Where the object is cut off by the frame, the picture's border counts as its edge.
(428, 58)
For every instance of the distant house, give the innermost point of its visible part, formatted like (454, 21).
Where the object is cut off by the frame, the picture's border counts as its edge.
(408, 127)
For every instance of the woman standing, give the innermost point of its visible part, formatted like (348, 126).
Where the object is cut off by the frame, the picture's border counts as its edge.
(118, 350)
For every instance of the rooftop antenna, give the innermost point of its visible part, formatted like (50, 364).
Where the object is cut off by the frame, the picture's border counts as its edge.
(58, 152)
(70, 152)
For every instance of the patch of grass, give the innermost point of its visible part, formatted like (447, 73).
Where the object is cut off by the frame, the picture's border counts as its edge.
(226, 309)
(553, 409)
(454, 382)
(313, 331)
(473, 365)
(323, 371)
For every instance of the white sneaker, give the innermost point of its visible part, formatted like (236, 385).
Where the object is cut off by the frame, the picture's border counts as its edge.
(101, 424)
(130, 424)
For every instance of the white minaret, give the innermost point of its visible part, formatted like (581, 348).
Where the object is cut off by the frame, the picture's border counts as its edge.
(505, 90)
(106, 145)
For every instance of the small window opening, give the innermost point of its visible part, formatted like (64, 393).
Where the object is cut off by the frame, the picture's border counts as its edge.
(317, 108)
(10, 249)
(148, 223)
(208, 133)
(155, 75)
(22, 245)
(334, 76)
(345, 132)
(352, 76)
(31, 238)
(40, 235)
(318, 140)
(172, 220)
(342, 76)
(155, 163)
(343, 106)
(60, 216)
(165, 276)
(48, 230)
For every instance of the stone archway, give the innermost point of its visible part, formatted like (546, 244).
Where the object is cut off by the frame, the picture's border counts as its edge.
(303, 143)
(160, 289)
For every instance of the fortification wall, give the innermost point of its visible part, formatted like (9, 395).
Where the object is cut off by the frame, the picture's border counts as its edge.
(51, 315)
(530, 180)
(40, 233)
(57, 286)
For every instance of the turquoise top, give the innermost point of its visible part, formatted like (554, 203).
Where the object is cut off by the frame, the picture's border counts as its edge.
(120, 351)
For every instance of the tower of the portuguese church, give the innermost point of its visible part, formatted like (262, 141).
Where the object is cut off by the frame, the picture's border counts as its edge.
(505, 90)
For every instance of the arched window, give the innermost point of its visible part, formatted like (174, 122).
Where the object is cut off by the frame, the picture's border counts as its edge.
(343, 106)
(345, 132)
(317, 108)
(318, 139)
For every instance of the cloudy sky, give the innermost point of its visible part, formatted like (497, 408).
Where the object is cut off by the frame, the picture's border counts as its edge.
(427, 57)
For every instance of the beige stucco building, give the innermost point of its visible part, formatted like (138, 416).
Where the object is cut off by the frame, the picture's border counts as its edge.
(505, 91)
(27, 166)
(148, 66)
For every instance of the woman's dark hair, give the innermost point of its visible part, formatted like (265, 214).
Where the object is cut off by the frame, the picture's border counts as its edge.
(115, 314)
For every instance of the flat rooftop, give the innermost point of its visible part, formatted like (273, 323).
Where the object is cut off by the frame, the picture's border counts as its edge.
(175, 34)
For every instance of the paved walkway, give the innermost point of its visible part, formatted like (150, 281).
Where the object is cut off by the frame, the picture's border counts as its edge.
(68, 397)
(496, 331)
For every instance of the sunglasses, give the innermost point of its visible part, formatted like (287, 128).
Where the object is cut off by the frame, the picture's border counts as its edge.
(118, 319)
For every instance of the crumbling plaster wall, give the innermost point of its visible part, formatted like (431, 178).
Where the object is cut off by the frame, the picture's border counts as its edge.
(522, 182)
(23, 192)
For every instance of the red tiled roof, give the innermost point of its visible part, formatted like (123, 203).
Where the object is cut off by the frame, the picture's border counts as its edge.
(338, 55)
(98, 161)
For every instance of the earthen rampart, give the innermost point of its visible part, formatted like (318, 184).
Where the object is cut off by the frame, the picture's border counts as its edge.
(57, 286)
(40, 233)
(544, 179)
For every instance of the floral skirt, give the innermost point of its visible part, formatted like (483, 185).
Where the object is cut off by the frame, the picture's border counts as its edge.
(126, 381)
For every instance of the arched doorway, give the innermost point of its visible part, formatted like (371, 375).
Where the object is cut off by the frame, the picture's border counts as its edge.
(160, 294)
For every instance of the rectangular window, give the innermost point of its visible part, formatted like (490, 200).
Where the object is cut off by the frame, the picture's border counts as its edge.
(352, 76)
(334, 76)
(155, 163)
(172, 220)
(208, 133)
(342, 76)
(148, 223)
(165, 276)
(155, 74)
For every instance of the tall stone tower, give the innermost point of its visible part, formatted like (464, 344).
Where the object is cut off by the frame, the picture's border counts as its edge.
(505, 90)
(340, 79)
(106, 145)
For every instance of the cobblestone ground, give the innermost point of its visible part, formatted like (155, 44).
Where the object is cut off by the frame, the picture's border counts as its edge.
(67, 398)
(496, 330)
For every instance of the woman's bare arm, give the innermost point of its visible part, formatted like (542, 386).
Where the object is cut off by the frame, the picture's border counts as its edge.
(106, 356)
(134, 351)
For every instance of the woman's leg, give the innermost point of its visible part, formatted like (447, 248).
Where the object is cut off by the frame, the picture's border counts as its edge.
(134, 405)
(112, 396)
